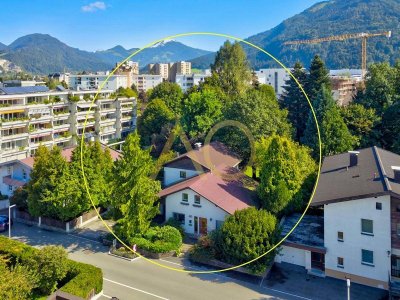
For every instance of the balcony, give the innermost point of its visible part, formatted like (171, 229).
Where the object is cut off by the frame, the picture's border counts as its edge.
(17, 136)
(14, 121)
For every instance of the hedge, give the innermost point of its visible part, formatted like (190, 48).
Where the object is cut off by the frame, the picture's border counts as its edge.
(82, 278)
(85, 278)
(159, 240)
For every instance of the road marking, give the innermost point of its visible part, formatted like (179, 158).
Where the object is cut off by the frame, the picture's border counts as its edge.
(227, 277)
(109, 297)
(135, 289)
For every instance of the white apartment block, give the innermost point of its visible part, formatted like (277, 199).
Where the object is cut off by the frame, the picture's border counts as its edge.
(187, 81)
(33, 116)
(96, 81)
(358, 236)
(161, 69)
(273, 77)
(144, 82)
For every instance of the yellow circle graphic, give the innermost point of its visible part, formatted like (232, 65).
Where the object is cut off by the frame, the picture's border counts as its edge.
(255, 47)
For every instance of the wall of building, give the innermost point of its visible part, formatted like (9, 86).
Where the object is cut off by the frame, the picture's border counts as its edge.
(207, 210)
(294, 256)
(346, 217)
(172, 175)
(274, 77)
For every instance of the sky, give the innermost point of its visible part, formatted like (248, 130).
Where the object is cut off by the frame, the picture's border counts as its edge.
(99, 25)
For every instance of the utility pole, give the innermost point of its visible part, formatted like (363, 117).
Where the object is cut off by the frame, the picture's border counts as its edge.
(9, 220)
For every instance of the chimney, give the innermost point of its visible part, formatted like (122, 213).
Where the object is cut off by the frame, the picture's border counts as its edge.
(396, 171)
(197, 146)
(353, 158)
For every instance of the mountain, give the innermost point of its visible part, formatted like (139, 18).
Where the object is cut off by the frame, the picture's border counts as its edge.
(42, 53)
(169, 51)
(324, 19)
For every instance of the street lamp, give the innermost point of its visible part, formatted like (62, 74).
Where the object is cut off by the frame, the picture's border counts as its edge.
(9, 220)
(348, 288)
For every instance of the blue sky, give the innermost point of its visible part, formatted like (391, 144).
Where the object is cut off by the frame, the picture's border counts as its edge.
(99, 25)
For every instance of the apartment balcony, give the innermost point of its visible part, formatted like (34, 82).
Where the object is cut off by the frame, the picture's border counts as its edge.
(14, 122)
(108, 110)
(38, 143)
(15, 137)
(104, 131)
(127, 108)
(14, 152)
(108, 121)
(62, 126)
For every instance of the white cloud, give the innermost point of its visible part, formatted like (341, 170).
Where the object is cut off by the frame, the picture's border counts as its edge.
(94, 6)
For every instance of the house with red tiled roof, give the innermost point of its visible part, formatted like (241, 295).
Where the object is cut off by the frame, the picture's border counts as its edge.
(17, 174)
(203, 187)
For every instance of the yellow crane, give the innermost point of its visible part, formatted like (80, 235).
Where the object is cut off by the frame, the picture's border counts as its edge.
(363, 36)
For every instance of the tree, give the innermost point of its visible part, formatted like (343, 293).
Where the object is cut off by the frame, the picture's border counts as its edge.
(246, 235)
(381, 87)
(127, 92)
(317, 78)
(134, 193)
(286, 174)
(390, 128)
(360, 121)
(231, 69)
(20, 198)
(48, 168)
(52, 263)
(294, 100)
(259, 110)
(16, 282)
(156, 116)
(335, 136)
(201, 110)
(170, 93)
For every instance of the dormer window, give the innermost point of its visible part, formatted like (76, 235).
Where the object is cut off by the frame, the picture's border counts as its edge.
(182, 174)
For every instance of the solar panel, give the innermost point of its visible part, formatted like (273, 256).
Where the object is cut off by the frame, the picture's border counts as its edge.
(60, 88)
(24, 89)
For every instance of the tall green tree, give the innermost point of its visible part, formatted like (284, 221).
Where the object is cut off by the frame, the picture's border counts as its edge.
(294, 100)
(258, 109)
(246, 235)
(170, 93)
(156, 116)
(381, 87)
(361, 122)
(201, 110)
(390, 128)
(318, 77)
(286, 174)
(231, 69)
(335, 136)
(48, 168)
(134, 193)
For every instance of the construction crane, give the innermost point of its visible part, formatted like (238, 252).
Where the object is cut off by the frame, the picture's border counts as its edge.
(363, 36)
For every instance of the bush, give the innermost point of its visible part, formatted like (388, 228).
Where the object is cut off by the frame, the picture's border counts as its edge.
(159, 240)
(176, 224)
(80, 279)
(83, 279)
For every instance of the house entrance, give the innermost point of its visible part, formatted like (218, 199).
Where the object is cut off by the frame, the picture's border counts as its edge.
(318, 261)
(200, 225)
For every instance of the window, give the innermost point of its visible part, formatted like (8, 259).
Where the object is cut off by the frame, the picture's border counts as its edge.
(182, 174)
(179, 217)
(10, 188)
(340, 262)
(367, 257)
(196, 199)
(378, 205)
(185, 197)
(218, 224)
(367, 227)
(340, 236)
(24, 174)
(8, 170)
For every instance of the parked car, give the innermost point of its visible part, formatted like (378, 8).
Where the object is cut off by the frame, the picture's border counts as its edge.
(4, 222)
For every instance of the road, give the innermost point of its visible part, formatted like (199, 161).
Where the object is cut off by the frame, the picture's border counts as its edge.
(140, 279)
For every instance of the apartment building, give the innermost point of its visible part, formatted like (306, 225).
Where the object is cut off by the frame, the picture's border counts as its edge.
(273, 77)
(128, 69)
(359, 193)
(161, 69)
(187, 81)
(96, 81)
(31, 116)
(144, 82)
